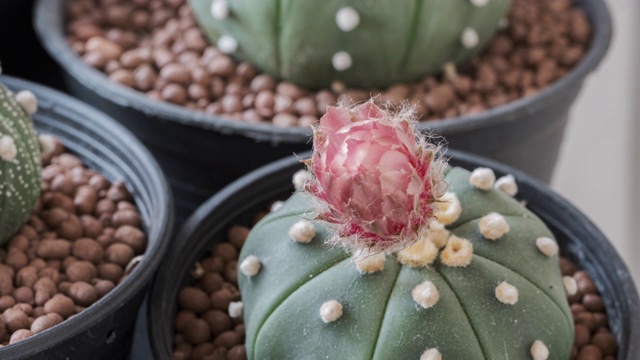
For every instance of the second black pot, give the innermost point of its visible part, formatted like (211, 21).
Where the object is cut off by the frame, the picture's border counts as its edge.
(104, 330)
(201, 153)
(579, 240)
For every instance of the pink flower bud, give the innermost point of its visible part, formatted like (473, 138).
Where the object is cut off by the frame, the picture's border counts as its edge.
(375, 177)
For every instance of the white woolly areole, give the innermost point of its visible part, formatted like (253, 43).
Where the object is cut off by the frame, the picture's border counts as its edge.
(482, 178)
(250, 266)
(503, 23)
(27, 101)
(302, 231)
(227, 44)
(47, 144)
(276, 206)
(368, 263)
(507, 184)
(507, 293)
(547, 246)
(570, 285)
(431, 354)
(347, 18)
(330, 311)
(457, 253)
(219, 9)
(8, 150)
(539, 351)
(448, 208)
(235, 309)
(341, 61)
(300, 178)
(493, 226)
(425, 294)
(479, 3)
(469, 38)
(437, 234)
(422, 253)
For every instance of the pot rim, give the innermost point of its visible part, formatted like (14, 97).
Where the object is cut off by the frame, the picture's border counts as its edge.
(199, 225)
(49, 21)
(56, 103)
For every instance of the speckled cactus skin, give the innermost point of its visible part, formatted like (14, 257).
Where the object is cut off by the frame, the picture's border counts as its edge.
(380, 319)
(19, 176)
(395, 41)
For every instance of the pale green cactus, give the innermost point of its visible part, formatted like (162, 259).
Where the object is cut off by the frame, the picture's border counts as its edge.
(362, 43)
(494, 292)
(19, 161)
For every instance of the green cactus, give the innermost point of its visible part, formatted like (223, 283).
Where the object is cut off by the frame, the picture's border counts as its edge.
(19, 163)
(362, 43)
(285, 283)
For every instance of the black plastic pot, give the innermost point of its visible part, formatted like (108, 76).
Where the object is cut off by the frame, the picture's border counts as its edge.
(200, 153)
(579, 239)
(102, 331)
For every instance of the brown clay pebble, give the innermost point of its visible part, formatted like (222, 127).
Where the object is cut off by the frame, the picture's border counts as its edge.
(61, 305)
(45, 322)
(606, 342)
(19, 335)
(582, 335)
(238, 352)
(182, 319)
(219, 321)
(197, 331)
(88, 249)
(15, 319)
(227, 339)
(83, 293)
(590, 352)
(193, 299)
(119, 253)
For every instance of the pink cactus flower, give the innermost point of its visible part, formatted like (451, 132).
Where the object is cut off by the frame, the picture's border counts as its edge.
(375, 177)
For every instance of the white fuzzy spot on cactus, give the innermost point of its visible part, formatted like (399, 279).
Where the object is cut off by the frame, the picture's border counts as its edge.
(330, 311)
(28, 101)
(547, 246)
(219, 9)
(341, 61)
(227, 44)
(431, 354)
(469, 38)
(482, 178)
(235, 309)
(302, 232)
(503, 23)
(425, 294)
(347, 18)
(507, 293)
(479, 3)
(507, 184)
(570, 285)
(457, 253)
(8, 150)
(493, 226)
(368, 263)
(276, 206)
(437, 234)
(422, 253)
(448, 208)
(250, 266)
(539, 351)
(300, 178)
(47, 144)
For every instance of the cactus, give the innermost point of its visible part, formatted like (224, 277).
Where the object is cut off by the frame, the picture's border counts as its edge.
(480, 281)
(364, 44)
(19, 161)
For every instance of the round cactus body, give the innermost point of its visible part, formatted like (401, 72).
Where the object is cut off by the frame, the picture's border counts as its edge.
(306, 300)
(362, 43)
(19, 162)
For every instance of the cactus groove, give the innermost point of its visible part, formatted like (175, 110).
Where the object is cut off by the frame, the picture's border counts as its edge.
(380, 318)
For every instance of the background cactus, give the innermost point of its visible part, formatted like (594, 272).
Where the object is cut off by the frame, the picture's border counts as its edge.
(19, 161)
(378, 317)
(362, 43)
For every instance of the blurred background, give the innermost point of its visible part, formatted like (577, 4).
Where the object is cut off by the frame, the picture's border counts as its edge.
(599, 167)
